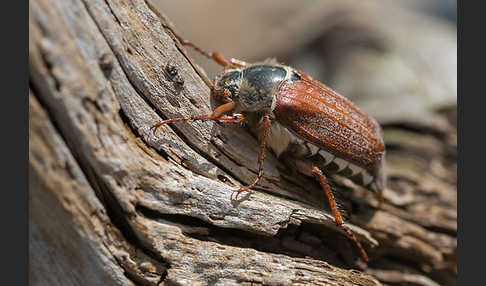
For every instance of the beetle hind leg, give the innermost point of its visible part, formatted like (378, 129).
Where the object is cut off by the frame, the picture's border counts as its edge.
(380, 199)
(337, 216)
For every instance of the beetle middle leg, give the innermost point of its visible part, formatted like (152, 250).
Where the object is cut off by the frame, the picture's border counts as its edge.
(261, 155)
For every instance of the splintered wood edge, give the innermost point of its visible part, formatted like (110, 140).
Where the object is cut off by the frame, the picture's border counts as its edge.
(68, 224)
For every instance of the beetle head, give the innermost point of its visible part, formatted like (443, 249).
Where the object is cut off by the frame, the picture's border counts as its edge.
(228, 83)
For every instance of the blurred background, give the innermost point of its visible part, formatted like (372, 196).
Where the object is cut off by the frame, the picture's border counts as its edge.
(396, 59)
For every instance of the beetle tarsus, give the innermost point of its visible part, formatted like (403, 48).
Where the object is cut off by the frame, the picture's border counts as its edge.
(237, 192)
(339, 220)
(380, 198)
(355, 240)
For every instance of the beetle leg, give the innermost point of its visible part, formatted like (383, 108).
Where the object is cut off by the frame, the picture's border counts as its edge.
(379, 197)
(238, 63)
(332, 202)
(218, 115)
(227, 95)
(261, 155)
(216, 56)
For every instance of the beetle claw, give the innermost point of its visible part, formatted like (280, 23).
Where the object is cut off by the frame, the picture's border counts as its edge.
(154, 128)
(238, 192)
(236, 197)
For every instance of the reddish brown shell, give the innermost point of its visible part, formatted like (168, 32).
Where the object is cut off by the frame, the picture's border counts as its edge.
(317, 114)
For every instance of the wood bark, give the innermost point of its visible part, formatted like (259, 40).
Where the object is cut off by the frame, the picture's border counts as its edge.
(113, 204)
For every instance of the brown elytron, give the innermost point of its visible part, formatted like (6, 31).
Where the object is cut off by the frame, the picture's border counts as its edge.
(319, 115)
(297, 116)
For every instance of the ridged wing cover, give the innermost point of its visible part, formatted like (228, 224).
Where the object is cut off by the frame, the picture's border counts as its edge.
(317, 114)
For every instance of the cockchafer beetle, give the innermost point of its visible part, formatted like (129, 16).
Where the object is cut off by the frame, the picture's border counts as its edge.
(300, 118)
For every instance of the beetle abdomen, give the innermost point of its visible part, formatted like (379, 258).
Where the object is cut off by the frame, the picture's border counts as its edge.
(281, 140)
(373, 179)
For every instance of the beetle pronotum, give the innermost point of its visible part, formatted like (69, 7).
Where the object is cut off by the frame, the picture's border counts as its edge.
(301, 118)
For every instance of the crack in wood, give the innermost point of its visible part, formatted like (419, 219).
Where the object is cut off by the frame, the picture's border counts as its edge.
(299, 241)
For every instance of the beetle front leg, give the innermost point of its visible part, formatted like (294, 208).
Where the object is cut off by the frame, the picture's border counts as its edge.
(261, 155)
(218, 115)
(337, 216)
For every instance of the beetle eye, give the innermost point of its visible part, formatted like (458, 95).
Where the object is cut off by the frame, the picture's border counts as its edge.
(229, 80)
(233, 89)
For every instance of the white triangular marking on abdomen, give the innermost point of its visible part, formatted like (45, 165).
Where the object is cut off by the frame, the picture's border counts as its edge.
(341, 164)
(367, 178)
(327, 156)
(355, 169)
(312, 148)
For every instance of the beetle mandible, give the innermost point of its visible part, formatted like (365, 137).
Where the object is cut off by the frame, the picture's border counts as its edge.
(301, 118)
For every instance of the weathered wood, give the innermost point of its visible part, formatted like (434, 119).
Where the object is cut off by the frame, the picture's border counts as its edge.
(113, 204)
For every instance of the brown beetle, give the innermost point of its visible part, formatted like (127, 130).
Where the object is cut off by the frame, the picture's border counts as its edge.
(301, 118)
